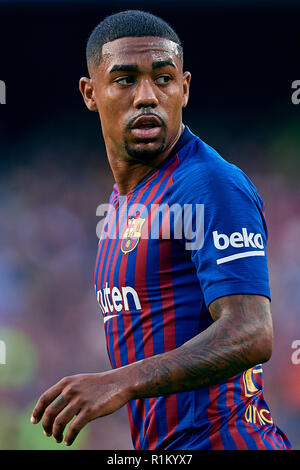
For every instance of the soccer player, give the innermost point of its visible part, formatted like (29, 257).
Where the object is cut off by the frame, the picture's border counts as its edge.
(181, 272)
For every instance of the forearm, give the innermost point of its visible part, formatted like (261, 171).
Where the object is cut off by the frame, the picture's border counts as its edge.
(240, 337)
(223, 350)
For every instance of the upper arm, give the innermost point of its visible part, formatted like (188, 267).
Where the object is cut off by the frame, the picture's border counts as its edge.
(229, 248)
(247, 318)
(231, 262)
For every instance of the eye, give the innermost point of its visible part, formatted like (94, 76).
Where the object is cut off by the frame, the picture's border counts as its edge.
(163, 79)
(125, 80)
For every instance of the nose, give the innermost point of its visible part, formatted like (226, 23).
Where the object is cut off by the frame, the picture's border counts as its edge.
(145, 95)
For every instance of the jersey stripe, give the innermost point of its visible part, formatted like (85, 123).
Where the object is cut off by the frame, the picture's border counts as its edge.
(239, 400)
(237, 437)
(152, 192)
(165, 279)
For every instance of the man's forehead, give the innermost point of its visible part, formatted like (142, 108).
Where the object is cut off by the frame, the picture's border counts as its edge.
(127, 47)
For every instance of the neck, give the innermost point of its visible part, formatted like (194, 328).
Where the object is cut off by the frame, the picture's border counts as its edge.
(128, 174)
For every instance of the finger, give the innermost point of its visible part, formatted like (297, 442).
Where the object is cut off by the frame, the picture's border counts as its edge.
(45, 399)
(51, 412)
(75, 427)
(61, 421)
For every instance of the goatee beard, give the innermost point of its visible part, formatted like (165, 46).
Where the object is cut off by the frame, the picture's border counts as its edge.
(144, 156)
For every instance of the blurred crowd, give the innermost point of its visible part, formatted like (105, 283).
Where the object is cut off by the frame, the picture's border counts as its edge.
(47, 252)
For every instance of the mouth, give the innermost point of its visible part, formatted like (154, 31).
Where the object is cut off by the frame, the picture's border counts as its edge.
(146, 127)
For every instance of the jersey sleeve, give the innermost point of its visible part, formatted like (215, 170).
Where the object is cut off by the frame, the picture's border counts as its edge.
(229, 252)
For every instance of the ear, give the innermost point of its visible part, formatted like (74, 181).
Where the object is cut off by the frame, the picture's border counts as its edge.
(86, 88)
(186, 88)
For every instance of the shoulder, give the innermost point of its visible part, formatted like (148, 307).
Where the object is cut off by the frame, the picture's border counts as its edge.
(203, 172)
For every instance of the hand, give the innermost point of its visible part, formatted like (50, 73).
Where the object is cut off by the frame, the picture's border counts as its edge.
(86, 396)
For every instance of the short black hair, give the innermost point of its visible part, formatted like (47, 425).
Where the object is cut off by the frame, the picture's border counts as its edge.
(128, 23)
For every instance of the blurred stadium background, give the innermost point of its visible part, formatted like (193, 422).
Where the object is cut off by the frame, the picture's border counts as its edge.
(53, 174)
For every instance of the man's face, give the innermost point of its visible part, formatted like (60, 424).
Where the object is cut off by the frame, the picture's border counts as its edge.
(139, 90)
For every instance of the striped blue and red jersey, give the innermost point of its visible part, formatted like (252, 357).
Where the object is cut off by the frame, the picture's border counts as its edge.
(193, 230)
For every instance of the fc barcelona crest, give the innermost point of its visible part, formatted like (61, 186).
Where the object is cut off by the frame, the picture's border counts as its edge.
(132, 234)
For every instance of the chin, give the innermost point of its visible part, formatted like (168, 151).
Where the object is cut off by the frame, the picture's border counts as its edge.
(144, 154)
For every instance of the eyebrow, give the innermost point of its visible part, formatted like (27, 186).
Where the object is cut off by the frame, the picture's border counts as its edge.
(162, 63)
(124, 68)
(134, 68)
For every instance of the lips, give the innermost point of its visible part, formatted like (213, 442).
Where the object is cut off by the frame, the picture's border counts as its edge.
(146, 121)
(146, 127)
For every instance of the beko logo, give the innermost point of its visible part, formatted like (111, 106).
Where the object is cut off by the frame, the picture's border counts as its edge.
(239, 240)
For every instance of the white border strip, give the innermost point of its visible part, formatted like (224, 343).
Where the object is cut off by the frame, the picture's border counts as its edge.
(245, 254)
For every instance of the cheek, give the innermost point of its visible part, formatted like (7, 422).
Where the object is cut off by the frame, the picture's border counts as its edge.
(173, 108)
(172, 98)
(111, 114)
(109, 103)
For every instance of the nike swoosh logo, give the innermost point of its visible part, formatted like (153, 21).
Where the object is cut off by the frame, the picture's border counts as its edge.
(108, 317)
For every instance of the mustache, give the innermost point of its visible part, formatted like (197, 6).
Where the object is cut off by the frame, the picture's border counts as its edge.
(145, 113)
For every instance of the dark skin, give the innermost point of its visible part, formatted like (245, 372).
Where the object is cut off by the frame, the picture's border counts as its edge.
(241, 335)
